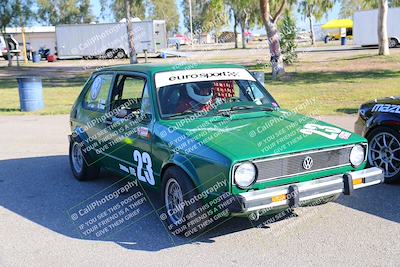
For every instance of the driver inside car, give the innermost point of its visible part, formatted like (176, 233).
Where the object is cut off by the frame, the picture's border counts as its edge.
(196, 97)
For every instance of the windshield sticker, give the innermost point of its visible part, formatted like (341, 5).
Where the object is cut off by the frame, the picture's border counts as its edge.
(95, 90)
(199, 75)
(386, 108)
(326, 131)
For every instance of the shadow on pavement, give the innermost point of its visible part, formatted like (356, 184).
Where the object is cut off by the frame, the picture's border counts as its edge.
(44, 191)
(381, 200)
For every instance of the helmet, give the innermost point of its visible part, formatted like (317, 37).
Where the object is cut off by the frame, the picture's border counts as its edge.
(201, 93)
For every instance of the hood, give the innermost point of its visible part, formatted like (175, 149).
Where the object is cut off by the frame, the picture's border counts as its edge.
(388, 100)
(261, 134)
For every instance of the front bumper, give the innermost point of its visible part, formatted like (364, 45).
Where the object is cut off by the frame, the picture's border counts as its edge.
(295, 194)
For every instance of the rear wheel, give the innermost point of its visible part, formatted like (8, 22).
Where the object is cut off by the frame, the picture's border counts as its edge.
(393, 43)
(81, 164)
(384, 152)
(120, 54)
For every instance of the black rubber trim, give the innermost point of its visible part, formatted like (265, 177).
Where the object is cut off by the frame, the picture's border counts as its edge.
(348, 184)
(237, 204)
(293, 196)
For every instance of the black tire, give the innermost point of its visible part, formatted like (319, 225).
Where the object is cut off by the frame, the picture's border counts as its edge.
(183, 227)
(87, 170)
(372, 136)
(393, 43)
(109, 54)
(120, 54)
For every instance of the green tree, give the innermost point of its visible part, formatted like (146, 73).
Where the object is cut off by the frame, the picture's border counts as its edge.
(215, 16)
(53, 12)
(246, 14)
(349, 7)
(314, 9)
(165, 10)
(197, 15)
(233, 15)
(287, 28)
(137, 8)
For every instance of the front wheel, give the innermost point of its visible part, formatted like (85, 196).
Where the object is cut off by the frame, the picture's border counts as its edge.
(81, 165)
(384, 152)
(183, 212)
(109, 54)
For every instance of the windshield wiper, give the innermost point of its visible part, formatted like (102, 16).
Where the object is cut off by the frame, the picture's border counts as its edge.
(186, 112)
(236, 108)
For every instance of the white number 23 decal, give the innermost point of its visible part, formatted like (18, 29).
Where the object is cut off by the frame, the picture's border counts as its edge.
(325, 131)
(144, 159)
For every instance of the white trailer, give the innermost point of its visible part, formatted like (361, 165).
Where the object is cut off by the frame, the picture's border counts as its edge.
(365, 27)
(109, 40)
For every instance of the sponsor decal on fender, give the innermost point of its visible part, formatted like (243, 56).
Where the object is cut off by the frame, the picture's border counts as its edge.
(386, 108)
(199, 75)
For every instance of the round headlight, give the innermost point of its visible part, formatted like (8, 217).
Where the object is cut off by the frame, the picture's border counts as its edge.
(245, 175)
(357, 155)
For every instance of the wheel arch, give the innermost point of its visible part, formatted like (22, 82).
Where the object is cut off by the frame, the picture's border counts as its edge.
(185, 165)
(382, 120)
(396, 38)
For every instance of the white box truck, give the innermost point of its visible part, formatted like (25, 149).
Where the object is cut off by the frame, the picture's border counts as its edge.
(109, 40)
(365, 27)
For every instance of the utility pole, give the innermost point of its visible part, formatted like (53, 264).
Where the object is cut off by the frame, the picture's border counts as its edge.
(191, 21)
(132, 51)
(24, 45)
(21, 25)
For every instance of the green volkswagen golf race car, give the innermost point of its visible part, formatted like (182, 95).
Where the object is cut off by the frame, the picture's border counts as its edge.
(211, 142)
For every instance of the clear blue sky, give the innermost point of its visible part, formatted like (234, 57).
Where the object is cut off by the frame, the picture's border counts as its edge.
(301, 23)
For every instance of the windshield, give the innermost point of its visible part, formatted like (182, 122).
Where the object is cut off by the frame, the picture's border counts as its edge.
(192, 97)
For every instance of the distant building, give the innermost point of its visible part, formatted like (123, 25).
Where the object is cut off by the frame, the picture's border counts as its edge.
(37, 36)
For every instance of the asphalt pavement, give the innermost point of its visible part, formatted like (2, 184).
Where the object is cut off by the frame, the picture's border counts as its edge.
(38, 193)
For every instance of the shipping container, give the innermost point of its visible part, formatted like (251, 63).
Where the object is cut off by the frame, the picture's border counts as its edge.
(109, 40)
(365, 28)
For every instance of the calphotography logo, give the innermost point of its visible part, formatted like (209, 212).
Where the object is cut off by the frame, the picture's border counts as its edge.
(308, 163)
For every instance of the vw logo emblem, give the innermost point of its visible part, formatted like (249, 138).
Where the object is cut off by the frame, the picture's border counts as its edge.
(308, 162)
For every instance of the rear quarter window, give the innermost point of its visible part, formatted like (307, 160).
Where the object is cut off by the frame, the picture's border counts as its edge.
(97, 97)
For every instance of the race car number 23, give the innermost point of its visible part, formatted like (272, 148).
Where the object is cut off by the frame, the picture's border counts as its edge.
(325, 131)
(144, 165)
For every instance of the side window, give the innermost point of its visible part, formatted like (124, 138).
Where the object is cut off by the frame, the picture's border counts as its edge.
(132, 88)
(131, 94)
(97, 96)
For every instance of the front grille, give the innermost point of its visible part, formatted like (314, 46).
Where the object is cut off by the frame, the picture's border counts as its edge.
(292, 165)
